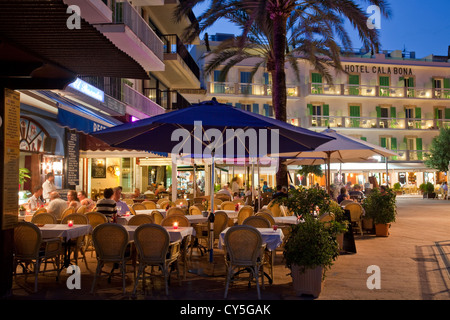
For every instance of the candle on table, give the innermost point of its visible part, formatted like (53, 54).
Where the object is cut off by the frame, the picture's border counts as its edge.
(175, 225)
(70, 223)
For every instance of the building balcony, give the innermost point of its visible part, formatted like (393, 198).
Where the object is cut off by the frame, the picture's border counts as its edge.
(168, 99)
(93, 11)
(409, 155)
(368, 91)
(131, 34)
(373, 123)
(249, 89)
(181, 70)
(140, 102)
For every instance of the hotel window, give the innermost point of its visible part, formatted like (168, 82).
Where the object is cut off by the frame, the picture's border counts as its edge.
(385, 114)
(219, 85)
(245, 82)
(353, 81)
(319, 114)
(408, 83)
(385, 83)
(355, 114)
(413, 117)
(442, 88)
(267, 110)
(414, 148)
(389, 143)
(440, 115)
(316, 83)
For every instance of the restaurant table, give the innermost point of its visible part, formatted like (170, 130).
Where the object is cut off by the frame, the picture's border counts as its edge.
(65, 232)
(195, 218)
(286, 220)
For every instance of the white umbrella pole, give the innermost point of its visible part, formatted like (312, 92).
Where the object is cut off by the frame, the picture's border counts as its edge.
(259, 188)
(174, 181)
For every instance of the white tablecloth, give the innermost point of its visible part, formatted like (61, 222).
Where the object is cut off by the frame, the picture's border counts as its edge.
(175, 234)
(149, 211)
(272, 238)
(286, 220)
(64, 231)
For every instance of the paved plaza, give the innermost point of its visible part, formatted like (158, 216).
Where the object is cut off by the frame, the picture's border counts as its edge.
(411, 263)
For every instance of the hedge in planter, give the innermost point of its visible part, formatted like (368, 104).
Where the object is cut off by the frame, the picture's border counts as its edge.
(381, 207)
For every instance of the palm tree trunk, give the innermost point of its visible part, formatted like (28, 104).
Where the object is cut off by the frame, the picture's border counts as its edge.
(279, 98)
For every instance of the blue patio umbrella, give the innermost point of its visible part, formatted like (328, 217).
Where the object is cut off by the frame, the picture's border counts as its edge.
(205, 129)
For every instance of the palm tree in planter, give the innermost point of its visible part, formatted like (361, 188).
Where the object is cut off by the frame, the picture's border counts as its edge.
(311, 246)
(280, 31)
(381, 207)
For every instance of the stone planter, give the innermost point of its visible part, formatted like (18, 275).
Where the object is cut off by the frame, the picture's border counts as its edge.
(22, 213)
(382, 229)
(309, 282)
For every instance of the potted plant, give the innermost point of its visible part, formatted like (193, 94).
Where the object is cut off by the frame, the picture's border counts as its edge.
(23, 176)
(430, 191)
(22, 211)
(381, 207)
(398, 188)
(311, 246)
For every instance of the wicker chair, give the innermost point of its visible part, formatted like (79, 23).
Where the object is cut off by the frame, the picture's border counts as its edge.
(241, 201)
(243, 249)
(356, 212)
(138, 206)
(155, 249)
(345, 202)
(29, 246)
(81, 209)
(149, 205)
(200, 206)
(257, 222)
(182, 202)
(218, 201)
(67, 211)
(79, 243)
(194, 210)
(139, 219)
(267, 216)
(175, 210)
(274, 207)
(244, 213)
(157, 216)
(40, 210)
(44, 218)
(227, 205)
(111, 244)
(129, 202)
(95, 219)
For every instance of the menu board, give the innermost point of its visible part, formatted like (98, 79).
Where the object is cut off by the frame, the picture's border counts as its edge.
(98, 168)
(11, 153)
(72, 154)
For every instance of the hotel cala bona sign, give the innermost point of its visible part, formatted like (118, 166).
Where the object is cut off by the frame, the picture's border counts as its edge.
(357, 68)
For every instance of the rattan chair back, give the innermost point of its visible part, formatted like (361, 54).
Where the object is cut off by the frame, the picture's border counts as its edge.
(220, 223)
(76, 218)
(175, 210)
(266, 216)
(194, 210)
(228, 205)
(149, 205)
(274, 207)
(81, 209)
(27, 241)
(67, 211)
(257, 222)
(138, 206)
(181, 202)
(110, 241)
(96, 218)
(152, 242)
(157, 217)
(243, 245)
(356, 211)
(40, 210)
(139, 219)
(44, 218)
(244, 213)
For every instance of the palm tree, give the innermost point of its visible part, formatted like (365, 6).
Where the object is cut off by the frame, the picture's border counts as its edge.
(277, 31)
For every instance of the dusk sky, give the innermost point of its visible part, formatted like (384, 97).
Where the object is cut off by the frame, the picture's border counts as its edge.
(415, 25)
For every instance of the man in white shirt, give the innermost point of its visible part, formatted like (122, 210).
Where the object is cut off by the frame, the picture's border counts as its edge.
(56, 205)
(35, 201)
(48, 186)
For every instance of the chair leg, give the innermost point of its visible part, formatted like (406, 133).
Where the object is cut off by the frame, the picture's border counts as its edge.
(255, 273)
(36, 274)
(227, 283)
(123, 265)
(140, 271)
(97, 273)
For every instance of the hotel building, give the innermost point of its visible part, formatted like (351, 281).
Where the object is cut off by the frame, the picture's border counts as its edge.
(392, 99)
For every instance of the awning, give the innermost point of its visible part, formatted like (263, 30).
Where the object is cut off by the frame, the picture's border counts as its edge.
(76, 122)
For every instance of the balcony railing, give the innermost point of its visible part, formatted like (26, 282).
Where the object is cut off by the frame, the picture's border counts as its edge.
(140, 102)
(374, 122)
(377, 91)
(168, 99)
(409, 155)
(124, 13)
(254, 89)
(173, 44)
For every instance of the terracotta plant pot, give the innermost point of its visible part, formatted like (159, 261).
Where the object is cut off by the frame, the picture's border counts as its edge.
(382, 229)
(367, 223)
(309, 282)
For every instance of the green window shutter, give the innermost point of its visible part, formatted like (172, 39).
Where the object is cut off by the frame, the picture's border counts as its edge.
(310, 108)
(418, 113)
(355, 111)
(255, 108)
(447, 83)
(353, 79)
(246, 77)
(394, 144)
(238, 105)
(447, 113)
(393, 112)
(316, 78)
(384, 81)
(436, 113)
(411, 82)
(378, 108)
(266, 109)
(419, 148)
(364, 139)
(326, 110)
(383, 142)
